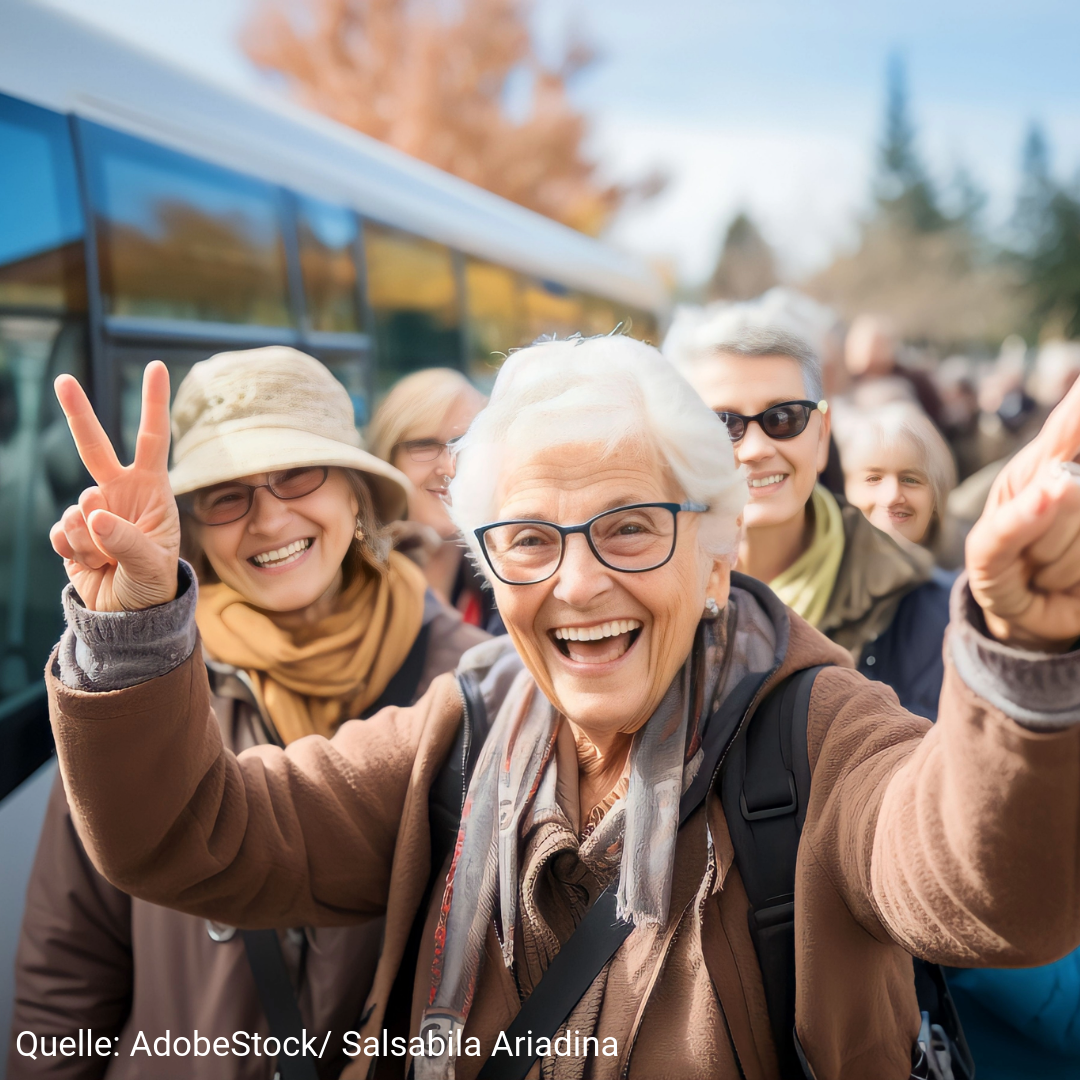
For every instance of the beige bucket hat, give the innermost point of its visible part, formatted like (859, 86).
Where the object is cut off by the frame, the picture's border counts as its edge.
(265, 409)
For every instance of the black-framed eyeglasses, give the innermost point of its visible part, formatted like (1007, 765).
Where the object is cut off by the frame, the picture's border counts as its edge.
(783, 421)
(630, 539)
(225, 503)
(425, 449)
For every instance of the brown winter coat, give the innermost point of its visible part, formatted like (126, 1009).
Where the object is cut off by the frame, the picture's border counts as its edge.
(959, 843)
(90, 956)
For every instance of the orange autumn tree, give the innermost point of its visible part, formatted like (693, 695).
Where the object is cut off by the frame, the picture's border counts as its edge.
(433, 80)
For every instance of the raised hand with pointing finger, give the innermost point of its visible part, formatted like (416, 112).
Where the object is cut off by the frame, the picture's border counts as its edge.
(121, 542)
(1023, 554)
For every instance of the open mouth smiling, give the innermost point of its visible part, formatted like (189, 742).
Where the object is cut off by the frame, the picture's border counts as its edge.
(598, 644)
(282, 556)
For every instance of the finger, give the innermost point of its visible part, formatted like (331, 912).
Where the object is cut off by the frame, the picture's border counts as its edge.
(152, 443)
(92, 499)
(129, 546)
(93, 444)
(58, 539)
(82, 545)
(1062, 526)
(1000, 536)
(1061, 575)
(1059, 438)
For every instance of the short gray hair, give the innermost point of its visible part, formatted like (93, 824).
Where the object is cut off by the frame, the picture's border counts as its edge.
(611, 390)
(753, 342)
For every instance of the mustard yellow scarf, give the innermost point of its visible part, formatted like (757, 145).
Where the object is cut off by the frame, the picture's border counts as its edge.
(807, 584)
(309, 680)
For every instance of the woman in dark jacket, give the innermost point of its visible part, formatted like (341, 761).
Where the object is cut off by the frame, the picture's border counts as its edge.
(883, 602)
(305, 620)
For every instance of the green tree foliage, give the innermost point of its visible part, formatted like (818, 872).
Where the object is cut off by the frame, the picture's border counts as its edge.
(905, 193)
(1047, 227)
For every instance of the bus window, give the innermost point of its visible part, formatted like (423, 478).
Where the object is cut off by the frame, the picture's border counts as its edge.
(600, 316)
(328, 236)
(550, 309)
(41, 229)
(412, 292)
(492, 317)
(642, 325)
(181, 239)
(40, 476)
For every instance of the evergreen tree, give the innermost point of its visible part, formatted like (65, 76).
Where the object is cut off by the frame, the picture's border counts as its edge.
(1053, 266)
(905, 193)
(746, 267)
(1036, 189)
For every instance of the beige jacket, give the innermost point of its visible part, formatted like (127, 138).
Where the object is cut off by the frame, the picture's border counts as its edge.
(959, 843)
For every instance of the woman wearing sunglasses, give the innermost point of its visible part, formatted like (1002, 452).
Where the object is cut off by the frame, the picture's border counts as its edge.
(305, 620)
(885, 603)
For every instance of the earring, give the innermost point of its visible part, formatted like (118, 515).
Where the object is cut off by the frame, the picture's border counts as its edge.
(712, 608)
(359, 531)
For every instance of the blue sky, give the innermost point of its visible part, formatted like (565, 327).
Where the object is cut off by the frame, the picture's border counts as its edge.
(773, 106)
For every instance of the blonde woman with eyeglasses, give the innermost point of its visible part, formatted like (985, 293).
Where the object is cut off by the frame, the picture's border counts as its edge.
(414, 429)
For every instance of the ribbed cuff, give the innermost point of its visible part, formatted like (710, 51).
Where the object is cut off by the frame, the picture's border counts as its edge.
(1038, 690)
(112, 650)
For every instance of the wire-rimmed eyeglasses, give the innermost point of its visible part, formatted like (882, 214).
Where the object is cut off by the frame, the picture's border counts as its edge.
(225, 503)
(631, 539)
(426, 449)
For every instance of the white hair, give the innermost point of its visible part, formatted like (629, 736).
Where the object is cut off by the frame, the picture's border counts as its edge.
(779, 323)
(613, 390)
(891, 423)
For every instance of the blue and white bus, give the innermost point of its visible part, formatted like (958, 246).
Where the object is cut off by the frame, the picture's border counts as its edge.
(147, 213)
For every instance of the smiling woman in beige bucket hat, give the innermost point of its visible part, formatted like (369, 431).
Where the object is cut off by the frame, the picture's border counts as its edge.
(305, 619)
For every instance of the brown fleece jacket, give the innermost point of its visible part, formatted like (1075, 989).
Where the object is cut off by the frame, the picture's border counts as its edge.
(959, 843)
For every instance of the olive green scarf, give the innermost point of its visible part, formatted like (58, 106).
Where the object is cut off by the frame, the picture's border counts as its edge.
(806, 585)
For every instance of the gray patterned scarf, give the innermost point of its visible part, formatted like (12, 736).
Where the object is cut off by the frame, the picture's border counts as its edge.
(515, 776)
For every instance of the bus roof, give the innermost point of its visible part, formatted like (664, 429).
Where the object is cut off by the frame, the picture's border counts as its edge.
(62, 63)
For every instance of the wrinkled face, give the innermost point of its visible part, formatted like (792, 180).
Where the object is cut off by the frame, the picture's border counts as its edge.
(283, 555)
(639, 628)
(889, 485)
(781, 473)
(427, 504)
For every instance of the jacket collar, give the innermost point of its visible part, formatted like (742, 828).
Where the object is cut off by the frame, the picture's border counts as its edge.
(875, 575)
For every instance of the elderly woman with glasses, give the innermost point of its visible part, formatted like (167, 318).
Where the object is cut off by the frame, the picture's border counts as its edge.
(603, 500)
(306, 619)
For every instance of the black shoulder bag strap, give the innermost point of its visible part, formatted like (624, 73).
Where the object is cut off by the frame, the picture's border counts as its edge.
(600, 933)
(765, 788)
(263, 947)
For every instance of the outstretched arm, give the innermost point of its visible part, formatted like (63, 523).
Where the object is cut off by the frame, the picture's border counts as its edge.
(273, 838)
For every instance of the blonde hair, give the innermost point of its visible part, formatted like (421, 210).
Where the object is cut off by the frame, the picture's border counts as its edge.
(415, 408)
(887, 425)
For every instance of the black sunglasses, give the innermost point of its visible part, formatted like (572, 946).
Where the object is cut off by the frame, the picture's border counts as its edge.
(783, 421)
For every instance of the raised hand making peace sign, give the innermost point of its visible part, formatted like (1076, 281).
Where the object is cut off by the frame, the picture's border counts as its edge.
(121, 543)
(1023, 555)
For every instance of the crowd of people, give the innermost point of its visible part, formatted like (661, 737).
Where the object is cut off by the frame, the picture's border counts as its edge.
(353, 741)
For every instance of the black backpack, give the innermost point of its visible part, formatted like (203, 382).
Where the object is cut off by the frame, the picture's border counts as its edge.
(764, 783)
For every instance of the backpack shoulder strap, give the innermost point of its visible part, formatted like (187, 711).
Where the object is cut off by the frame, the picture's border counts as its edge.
(764, 789)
